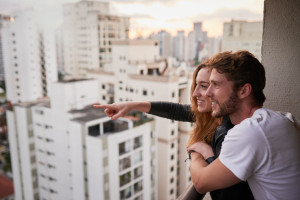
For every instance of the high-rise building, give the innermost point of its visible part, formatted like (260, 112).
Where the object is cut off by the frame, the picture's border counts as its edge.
(179, 46)
(65, 149)
(88, 31)
(4, 20)
(198, 47)
(139, 74)
(165, 44)
(243, 35)
(29, 58)
(191, 44)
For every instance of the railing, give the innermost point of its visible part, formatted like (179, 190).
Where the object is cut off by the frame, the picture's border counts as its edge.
(190, 193)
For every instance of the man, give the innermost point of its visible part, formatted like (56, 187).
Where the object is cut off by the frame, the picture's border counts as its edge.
(263, 147)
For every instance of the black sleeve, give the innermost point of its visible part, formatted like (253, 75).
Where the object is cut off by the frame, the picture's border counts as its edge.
(220, 134)
(174, 111)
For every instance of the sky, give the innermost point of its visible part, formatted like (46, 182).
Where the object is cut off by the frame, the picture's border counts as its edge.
(148, 16)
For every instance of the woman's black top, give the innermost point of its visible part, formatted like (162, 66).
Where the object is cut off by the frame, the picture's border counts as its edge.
(180, 112)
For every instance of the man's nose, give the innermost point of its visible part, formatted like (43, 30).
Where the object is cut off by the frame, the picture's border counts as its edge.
(208, 92)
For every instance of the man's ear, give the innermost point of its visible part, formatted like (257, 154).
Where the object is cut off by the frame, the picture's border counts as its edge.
(245, 91)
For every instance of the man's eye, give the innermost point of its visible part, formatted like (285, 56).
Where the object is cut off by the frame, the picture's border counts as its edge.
(204, 86)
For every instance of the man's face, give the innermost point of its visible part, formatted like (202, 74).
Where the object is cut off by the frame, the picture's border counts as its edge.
(224, 99)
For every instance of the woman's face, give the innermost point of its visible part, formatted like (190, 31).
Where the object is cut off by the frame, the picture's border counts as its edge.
(202, 83)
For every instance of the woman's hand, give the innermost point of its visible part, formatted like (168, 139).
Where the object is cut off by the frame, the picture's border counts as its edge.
(121, 109)
(201, 147)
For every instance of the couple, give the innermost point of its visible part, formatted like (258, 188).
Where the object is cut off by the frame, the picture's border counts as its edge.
(262, 148)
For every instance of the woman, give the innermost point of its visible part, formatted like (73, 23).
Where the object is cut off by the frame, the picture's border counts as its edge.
(207, 129)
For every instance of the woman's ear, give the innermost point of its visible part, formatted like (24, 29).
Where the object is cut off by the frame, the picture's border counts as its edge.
(245, 91)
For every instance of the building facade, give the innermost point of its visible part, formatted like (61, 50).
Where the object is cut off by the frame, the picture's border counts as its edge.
(138, 74)
(243, 35)
(28, 57)
(65, 149)
(88, 31)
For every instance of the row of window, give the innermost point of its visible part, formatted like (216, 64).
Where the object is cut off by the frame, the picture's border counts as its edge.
(130, 145)
(132, 190)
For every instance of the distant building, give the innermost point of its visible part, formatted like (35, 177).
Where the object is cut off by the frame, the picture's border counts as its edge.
(4, 20)
(29, 58)
(179, 45)
(88, 31)
(243, 35)
(165, 44)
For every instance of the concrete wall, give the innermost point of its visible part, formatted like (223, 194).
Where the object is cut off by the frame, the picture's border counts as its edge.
(280, 55)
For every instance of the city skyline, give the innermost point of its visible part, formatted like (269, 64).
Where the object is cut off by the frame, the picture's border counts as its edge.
(147, 17)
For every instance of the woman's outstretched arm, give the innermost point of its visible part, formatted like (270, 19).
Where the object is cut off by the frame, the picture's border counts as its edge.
(173, 111)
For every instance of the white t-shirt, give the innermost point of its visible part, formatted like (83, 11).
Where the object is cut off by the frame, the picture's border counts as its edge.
(265, 151)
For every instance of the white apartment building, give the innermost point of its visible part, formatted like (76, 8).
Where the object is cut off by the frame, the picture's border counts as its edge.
(243, 35)
(88, 31)
(65, 149)
(22, 152)
(4, 20)
(179, 46)
(28, 57)
(137, 73)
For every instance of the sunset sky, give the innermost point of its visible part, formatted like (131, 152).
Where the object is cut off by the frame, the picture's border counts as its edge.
(152, 16)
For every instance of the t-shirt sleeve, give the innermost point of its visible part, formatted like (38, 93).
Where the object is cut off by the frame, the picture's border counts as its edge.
(244, 150)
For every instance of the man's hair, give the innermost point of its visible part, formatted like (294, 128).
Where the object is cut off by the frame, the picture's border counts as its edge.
(242, 67)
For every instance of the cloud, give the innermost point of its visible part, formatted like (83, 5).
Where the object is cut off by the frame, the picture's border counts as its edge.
(144, 1)
(140, 16)
(227, 14)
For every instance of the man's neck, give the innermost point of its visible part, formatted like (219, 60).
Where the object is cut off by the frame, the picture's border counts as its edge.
(241, 114)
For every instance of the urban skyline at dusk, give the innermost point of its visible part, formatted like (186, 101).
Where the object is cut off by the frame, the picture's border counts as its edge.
(152, 16)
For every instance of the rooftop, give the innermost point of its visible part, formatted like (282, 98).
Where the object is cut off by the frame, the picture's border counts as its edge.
(89, 113)
(6, 187)
(74, 80)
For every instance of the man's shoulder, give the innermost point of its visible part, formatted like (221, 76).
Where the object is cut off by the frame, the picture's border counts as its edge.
(265, 119)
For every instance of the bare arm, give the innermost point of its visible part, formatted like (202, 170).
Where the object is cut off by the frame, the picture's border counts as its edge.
(121, 109)
(210, 177)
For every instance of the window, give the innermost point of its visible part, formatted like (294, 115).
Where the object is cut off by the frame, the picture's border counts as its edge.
(137, 157)
(145, 92)
(138, 186)
(124, 147)
(94, 130)
(172, 180)
(172, 157)
(138, 172)
(125, 178)
(172, 132)
(138, 142)
(172, 169)
(126, 193)
(124, 163)
(172, 145)
(171, 191)
(173, 94)
(103, 86)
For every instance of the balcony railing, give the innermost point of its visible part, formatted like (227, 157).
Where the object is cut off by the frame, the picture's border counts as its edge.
(190, 193)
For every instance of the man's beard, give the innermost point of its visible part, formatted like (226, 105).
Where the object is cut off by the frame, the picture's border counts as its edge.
(226, 108)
